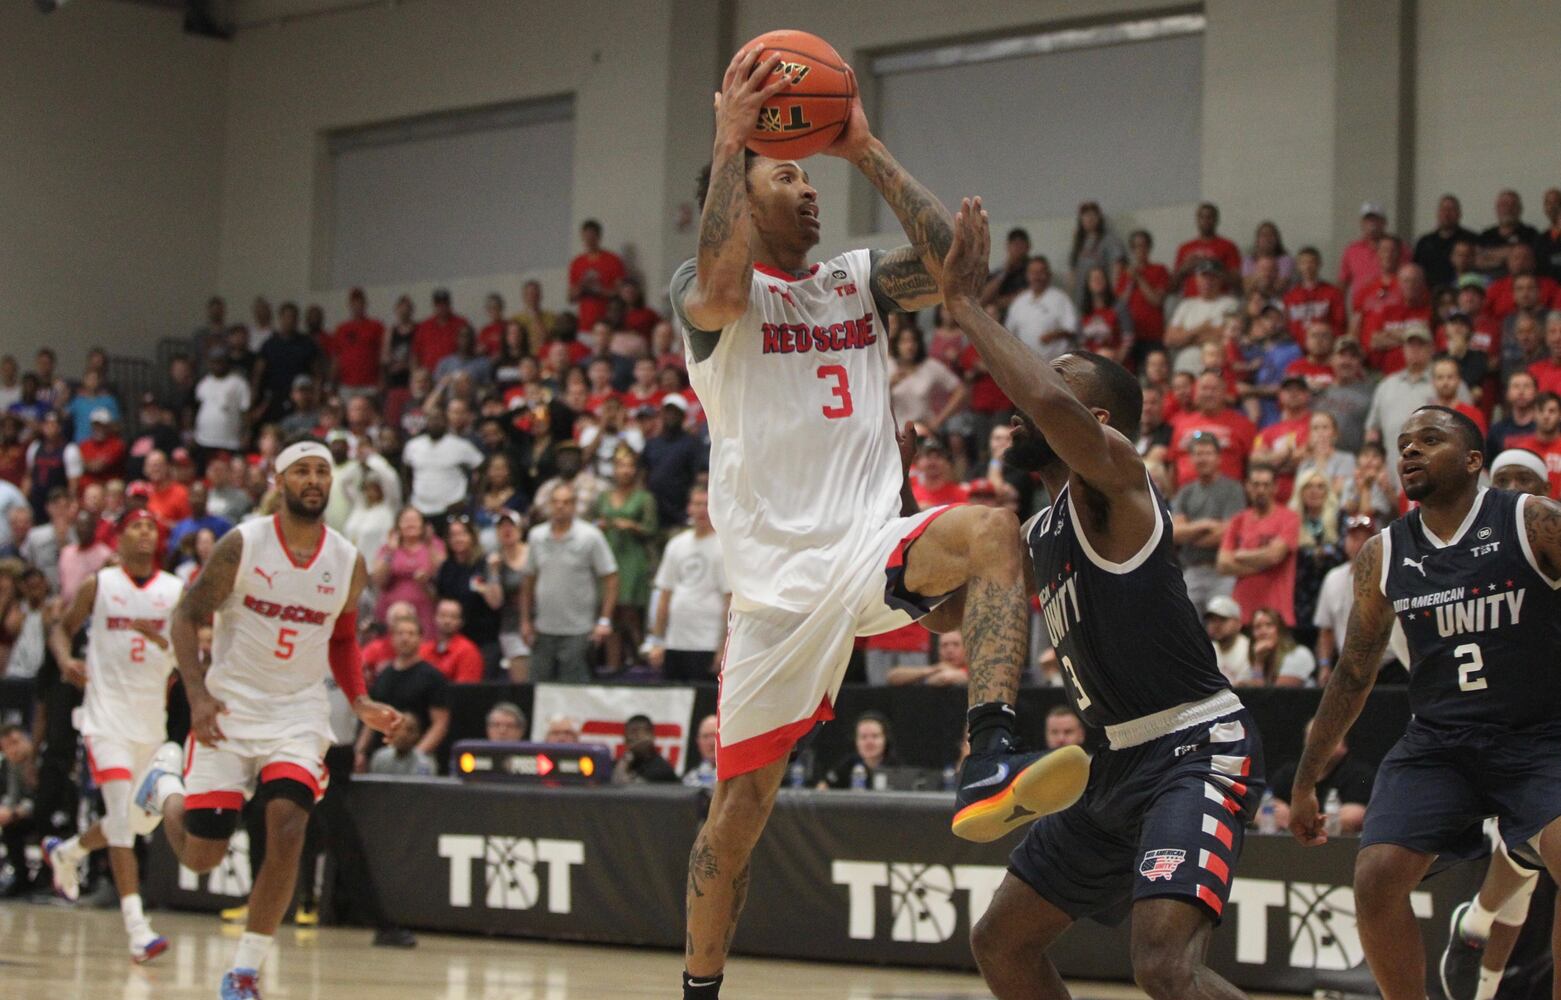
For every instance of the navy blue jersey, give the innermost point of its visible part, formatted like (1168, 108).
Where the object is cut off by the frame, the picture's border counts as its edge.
(1483, 623)
(1128, 639)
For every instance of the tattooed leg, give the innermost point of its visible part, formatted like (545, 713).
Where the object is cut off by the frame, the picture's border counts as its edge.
(718, 870)
(978, 548)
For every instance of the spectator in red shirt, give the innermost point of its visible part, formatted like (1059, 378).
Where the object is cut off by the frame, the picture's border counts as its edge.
(593, 275)
(1143, 284)
(491, 337)
(1316, 366)
(1312, 299)
(645, 390)
(987, 400)
(1546, 439)
(103, 453)
(168, 501)
(437, 336)
(1282, 444)
(1362, 260)
(1259, 550)
(1486, 335)
(637, 316)
(1546, 372)
(1382, 330)
(1230, 427)
(356, 347)
(1380, 290)
(378, 652)
(1100, 326)
(1500, 301)
(1208, 245)
(454, 655)
(1446, 380)
(935, 485)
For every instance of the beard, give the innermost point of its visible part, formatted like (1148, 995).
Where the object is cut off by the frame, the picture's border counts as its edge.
(300, 507)
(1030, 451)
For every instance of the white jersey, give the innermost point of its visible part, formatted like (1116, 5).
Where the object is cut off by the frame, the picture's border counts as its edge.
(803, 459)
(127, 673)
(270, 640)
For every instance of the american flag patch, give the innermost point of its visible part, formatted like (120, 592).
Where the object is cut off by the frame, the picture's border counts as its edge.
(1161, 864)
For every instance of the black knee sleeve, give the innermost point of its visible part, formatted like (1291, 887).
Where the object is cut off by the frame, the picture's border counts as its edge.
(291, 790)
(211, 824)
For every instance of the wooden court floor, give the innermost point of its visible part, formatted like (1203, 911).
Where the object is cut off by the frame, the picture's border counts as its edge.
(54, 952)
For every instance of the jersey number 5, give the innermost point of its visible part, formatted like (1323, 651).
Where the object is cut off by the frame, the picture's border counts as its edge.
(284, 643)
(841, 389)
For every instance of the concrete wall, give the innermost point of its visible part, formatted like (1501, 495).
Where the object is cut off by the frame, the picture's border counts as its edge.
(111, 138)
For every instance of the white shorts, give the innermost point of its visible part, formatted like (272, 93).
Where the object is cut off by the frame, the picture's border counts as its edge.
(224, 776)
(110, 758)
(782, 669)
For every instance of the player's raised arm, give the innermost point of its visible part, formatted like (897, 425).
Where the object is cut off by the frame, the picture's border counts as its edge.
(1097, 453)
(723, 268)
(195, 609)
(1371, 623)
(908, 275)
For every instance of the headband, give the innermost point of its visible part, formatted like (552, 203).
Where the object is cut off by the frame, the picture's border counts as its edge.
(133, 515)
(303, 449)
(1523, 458)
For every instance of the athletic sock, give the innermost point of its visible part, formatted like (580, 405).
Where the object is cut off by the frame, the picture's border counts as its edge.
(71, 850)
(701, 988)
(251, 953)
(1490, 982)
(1476, 922)
(991, 727)
(168, 784)
(130, 909)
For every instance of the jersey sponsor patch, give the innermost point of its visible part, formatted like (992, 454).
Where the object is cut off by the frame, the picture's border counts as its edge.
(1160, 865)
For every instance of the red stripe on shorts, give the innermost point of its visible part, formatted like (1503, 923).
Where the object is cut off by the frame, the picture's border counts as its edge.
(104, 776)
(757, 751)
(214, 800)
(286, 770)
(897, 557)
(1216, 866)
(1211, 899)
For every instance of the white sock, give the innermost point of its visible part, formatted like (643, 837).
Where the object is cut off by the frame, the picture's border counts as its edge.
(1490, 982)
(71, 850)
(252, 950)
(1476, 922)
(168, 784)
(130, 909)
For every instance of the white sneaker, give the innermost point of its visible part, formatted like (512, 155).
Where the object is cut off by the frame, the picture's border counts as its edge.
(167, 761)
(67, 873)
(146, 944)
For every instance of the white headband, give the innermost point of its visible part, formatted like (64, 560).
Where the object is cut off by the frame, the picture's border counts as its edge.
(1520, 457)
(303, 449)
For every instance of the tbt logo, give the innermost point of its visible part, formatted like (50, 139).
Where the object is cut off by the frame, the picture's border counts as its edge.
(511, 867)
(923, 899)
(1321, 922)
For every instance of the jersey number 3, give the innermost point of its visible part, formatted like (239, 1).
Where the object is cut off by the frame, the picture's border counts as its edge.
(841, 389)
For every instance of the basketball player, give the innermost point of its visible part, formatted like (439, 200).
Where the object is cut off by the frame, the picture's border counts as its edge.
(1162, 820)
(790, 361)
(283, 590)
(1472, 575)
(124, 717)
(1484, 930)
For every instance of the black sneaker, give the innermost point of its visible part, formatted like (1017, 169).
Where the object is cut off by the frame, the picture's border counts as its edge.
(1461, 960)
(394, 937)
(1000, 792)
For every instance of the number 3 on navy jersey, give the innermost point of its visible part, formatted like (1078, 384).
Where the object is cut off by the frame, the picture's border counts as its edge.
(1467, 668)
(1078, 689)
(841, 389)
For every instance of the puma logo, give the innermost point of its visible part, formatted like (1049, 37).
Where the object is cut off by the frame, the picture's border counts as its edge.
(268, 577)
(1416, 563)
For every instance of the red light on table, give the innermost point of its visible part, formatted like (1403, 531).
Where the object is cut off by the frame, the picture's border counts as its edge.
(545, 765)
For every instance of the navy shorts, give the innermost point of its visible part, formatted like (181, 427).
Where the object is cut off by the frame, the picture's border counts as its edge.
(1439, 783)
(1162, 819)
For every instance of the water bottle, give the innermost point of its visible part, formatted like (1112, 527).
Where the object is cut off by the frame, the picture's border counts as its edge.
(858, 777)
(1331, 813)
(950, 778)
(1267, 818)
(797, 776)
(706, 774)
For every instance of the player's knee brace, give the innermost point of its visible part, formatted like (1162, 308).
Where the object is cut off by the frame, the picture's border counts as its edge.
(1514, 911)
(290, 790)
(117, 829)
(211, 824)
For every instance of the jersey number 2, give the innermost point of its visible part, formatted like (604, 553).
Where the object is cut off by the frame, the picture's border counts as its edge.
(138, 649)
(841, 389)
(1468, 668)
(284, 643)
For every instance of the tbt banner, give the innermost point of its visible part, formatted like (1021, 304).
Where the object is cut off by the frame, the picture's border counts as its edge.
(600, 712)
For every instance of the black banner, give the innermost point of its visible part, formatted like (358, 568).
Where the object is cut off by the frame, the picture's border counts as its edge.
(844, 876)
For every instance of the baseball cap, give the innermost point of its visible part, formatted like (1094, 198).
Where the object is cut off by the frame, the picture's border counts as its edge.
(1205, 266)
(932, 443)
(676, 401)
(1459, 316)
(441, 295)
(101, 416)
(181, 456)
(1360, 521)
(645, 410)
(1372, 208)
(1206, 437)
(1294, 380)
(1222, 607)
(1417, 331)
(303, 382)
(139, 488)
(337, 434)
(1349, 345)
(1472, 281)
(505, 514)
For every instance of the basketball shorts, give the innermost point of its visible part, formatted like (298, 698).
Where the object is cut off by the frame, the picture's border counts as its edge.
(111, 758)
(783, 669)
(225, 776)
(1161, 818)
(1437, 785)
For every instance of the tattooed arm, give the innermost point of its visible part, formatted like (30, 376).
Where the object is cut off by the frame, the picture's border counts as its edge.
(723, 267)
(1371, 622)
(1542, 522)
(195, 609)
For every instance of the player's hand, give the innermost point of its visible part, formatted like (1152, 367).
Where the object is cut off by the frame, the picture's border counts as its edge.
(1306, 819)
(75, 672)
(965, 267)
(150, 631)
(377, 715)
(600, 632)
(656, 656)
(857, 134)
(528, 632)
(906, 439)
(205, 712)
(748, 83)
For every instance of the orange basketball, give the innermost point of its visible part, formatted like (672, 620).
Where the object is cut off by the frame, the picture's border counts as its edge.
(810, 114)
